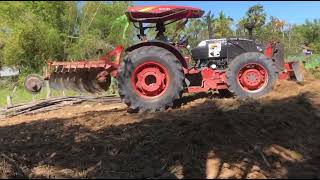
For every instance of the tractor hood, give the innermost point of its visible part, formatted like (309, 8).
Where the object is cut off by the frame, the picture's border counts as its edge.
(154, 14)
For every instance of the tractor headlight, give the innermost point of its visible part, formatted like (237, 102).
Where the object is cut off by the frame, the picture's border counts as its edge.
(202, 43)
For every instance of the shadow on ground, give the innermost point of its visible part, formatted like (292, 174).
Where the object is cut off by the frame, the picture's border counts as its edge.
(241, 139)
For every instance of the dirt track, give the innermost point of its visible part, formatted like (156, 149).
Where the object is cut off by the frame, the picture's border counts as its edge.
(276, 136)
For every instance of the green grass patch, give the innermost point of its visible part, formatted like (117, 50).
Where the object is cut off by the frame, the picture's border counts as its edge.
(311, 63)
(22, 96)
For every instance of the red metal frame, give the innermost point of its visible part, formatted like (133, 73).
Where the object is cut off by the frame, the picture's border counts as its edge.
(105, 62)
(288, 70)
(268, 50)
(211, 79)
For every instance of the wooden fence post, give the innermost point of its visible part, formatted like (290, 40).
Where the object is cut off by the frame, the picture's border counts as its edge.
(9, 98)
(45, 69)
(9, 101)
(48, 90)
(33, 98)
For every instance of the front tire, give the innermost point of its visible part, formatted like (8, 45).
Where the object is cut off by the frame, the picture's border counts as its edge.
(150, 79)
(251, 75)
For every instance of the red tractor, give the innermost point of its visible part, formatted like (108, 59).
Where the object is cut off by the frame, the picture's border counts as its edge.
(155, 73)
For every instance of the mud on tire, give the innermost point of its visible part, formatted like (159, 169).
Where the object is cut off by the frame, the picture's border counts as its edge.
(128, 91)
(240, 62)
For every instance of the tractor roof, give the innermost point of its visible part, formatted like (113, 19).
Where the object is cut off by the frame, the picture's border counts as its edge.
(159, 13)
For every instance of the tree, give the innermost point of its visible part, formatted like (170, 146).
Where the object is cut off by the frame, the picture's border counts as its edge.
(223, 25)
(31, 36)
(31, 33)
(241, 27)
(310, 32)
(257, 14)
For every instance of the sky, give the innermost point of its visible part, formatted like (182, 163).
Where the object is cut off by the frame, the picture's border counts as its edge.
(294, 12)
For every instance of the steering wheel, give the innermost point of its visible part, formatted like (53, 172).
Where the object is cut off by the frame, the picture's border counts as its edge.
(183, 39)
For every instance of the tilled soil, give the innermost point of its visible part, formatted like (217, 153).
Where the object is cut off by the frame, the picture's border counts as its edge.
(276, 136)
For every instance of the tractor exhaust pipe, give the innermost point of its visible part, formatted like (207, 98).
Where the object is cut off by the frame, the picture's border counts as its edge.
(249, 26)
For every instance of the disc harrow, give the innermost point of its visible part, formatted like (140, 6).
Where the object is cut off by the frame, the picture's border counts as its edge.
(86, 76)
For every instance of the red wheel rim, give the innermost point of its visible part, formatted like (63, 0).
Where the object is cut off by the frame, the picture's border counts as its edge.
(150, 79)
(252, 77)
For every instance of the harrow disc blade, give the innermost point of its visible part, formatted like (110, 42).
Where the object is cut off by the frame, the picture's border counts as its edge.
(103, 79)
(80, 81)
(297, 70)
(52, 81)
(72, 82)
(94, 82)
(105, 84)
(59, 81)
(66, 80)
(88, 82)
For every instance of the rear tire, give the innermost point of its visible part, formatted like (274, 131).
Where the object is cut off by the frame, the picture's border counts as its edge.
(251, 75)
(152, 63)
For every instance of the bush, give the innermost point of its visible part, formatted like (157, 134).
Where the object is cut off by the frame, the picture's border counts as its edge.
(310, 62)
(8, 82)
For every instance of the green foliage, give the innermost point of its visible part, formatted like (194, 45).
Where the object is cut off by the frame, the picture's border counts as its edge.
(33, 32)
(273, 29)
(21, 95)
(222, 26)
(197, 31)
(121, 22)
(257, 14)
(310, 32)
(30, 44)
(8, 82)
(313, 61)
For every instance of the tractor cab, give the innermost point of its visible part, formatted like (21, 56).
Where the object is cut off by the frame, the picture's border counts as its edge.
(160, 16)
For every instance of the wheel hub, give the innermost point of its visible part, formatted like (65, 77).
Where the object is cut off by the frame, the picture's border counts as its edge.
(252, 77)
(150, 79)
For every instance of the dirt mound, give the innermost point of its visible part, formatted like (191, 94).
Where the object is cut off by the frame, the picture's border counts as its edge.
(275, 136)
